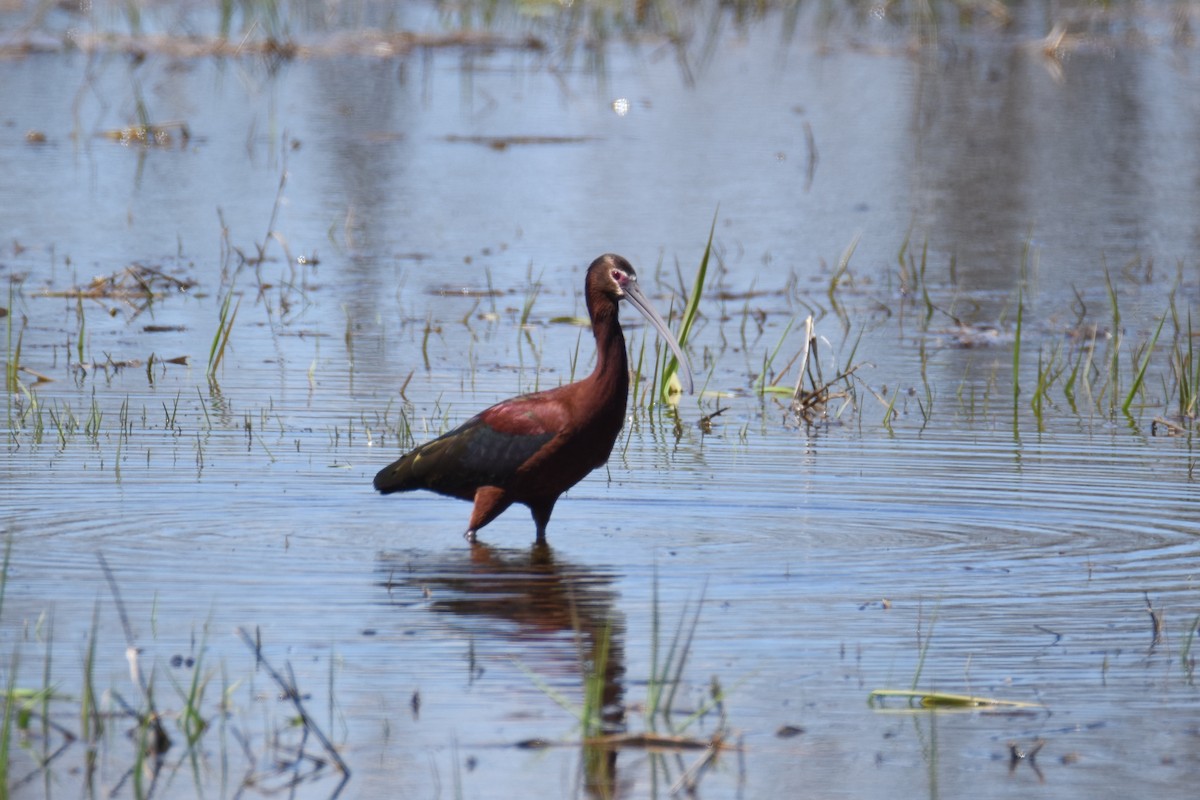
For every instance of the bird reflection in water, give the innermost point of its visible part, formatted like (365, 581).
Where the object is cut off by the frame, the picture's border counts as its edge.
(541, 600)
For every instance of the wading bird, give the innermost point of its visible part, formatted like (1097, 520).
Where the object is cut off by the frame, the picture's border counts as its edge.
(530, 449)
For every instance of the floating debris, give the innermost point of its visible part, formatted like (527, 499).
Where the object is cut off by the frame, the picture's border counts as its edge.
(448, 290)
(504, 142)
(649, 740)
(39, 377)
(137, 281)
(973, 336)
(147, 135)
(944, 700)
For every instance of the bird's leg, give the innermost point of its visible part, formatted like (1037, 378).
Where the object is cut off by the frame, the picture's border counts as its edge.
(541, 516)
(490, 502)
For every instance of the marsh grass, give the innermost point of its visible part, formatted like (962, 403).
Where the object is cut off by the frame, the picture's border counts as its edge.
(1140, 369)
(10, 689)
(1114, 345)
(1185, 371)
(593, 661)
(286, 682)
(1097, 369)
(142, 760)
(12, 364)
(191, 720)
(664, 734)
(278, 30)
(81, 332)
(1092, 372)
(669, 384)
(10, 712)
(91, 721)
(220, 341)
(666, 669)
(766, 381)
(1049, 370)
(1016, 359)
(1186, 658)
(842, 277)
(812, 395)
(1087, 372)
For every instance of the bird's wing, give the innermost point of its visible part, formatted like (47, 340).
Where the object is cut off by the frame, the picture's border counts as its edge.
(486, 450)
(529, 415)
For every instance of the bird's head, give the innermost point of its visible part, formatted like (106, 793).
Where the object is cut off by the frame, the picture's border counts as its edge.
(615, 278)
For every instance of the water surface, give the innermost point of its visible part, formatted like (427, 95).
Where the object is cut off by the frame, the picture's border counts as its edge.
(423, 210)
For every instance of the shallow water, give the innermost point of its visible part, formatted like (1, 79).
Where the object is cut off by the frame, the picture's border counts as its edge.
(953, 543)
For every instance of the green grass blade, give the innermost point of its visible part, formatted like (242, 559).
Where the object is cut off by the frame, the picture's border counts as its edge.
(6, 730)
(1141, 373)
(685, 651)
(548, 690)
(924, 651)
(4, 573)
(224, 327)
(926, 700)
(689, 314)
(1016, 365)
(82, 328)
(653, 687)
(761, 385)
(9, 702)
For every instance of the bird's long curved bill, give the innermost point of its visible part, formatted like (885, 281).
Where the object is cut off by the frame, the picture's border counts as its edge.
(633, 293)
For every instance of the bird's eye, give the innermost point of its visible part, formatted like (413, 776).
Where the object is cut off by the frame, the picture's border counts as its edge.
(618, 276)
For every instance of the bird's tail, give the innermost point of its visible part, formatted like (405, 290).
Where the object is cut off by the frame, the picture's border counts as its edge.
(437, 466)
(397, 477)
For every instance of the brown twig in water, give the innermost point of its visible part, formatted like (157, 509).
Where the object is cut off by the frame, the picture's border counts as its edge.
(649, 740)
(690, 779)
(810, 404)
(158, 741)
(288, 687)
(1156, 621)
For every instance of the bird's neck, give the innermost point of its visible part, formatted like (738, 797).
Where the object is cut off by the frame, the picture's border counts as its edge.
(612, 364)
